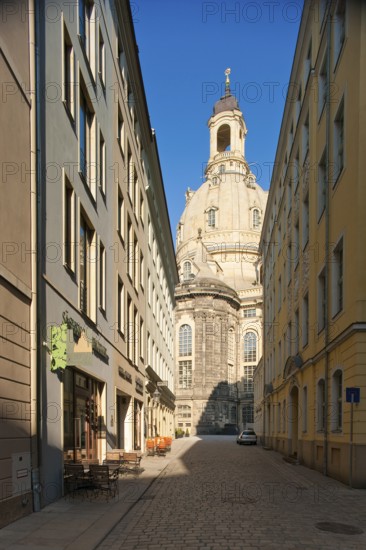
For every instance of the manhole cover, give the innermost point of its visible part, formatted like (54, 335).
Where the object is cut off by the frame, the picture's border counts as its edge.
(339, 528)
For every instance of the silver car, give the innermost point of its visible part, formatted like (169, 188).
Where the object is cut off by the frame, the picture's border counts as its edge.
(247, 437)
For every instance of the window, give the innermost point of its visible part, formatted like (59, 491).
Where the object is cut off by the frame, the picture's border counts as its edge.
(338, 151)
(148, 288)
(141, 339)
(136, 256)
(337, 278)
(231, 346)
(87, 143)
(87, 19)
(211, 218)
(248, 385)
(68, 74)
(289, 196)
(69, 226)
(142, 269)
(321, 300)
(288, 263)
(279, 293)
(321, 412)
(295, 247)
(120, 307)
(298, 105)
(86, 270)
(185, 340)
(251, 312)
(321, 185)
(136, 346)
(296, 170)
(184, 411)
(142, 209)
(322, 85)
(187, 271)
(339, 29)
(305, 139)
(130, 249)
(284, 416)
(121, 216)
(121, 132)
(102, 277)
(305, 221)
(101, 59)
(102, 163)
(185, 374)
(307, 65)
(305, 320)
(130, 173)
(279, 418)
(248, 414)
(256, 219)
(337, 398)
(305, 409)
(296, 332)
(250, 347)
(130, 330)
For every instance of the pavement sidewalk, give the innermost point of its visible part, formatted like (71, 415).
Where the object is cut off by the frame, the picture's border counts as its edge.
(80, 524)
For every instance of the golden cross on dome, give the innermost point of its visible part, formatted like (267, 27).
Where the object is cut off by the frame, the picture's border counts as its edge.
(227, 82)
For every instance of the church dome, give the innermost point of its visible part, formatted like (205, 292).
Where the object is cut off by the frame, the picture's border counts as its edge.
(219, 231)
(225, 206)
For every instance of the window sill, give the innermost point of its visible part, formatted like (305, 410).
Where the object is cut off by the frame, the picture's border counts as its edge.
(70, 272)
(338, 431)
(69, 114)
(87, 188)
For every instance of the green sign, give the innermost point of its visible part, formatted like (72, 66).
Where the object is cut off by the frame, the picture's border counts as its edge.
(59, 347)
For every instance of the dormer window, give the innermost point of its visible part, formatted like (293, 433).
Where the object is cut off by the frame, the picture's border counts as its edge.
(211, 217)
(187, 271)
(256, 218)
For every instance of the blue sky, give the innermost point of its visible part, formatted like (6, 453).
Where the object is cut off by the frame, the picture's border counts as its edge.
(185, 47)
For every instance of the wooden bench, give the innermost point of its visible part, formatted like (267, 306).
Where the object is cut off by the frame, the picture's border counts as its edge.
(131, 461)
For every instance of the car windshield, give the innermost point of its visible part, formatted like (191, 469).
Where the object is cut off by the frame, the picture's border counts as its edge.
(248, 432)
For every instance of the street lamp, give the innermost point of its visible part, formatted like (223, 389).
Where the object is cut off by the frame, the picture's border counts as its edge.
(156, 401)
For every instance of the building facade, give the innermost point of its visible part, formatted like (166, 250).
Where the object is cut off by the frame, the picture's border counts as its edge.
(17, 264)
(314, 261)
(219, 297)
(99, 201)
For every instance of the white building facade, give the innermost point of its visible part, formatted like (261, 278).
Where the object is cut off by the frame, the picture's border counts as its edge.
(218, 326)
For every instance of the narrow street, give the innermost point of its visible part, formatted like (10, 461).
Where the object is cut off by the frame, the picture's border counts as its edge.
(220, 495)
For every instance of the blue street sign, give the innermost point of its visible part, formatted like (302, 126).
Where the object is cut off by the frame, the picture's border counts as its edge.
(352, 395)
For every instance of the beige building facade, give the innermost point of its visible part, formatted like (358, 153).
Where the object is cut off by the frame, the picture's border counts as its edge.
(18, 408)
(86, 242)
(314, 260)
(219, 297)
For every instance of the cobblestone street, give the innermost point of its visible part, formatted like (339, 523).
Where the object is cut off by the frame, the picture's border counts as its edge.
(219, 495)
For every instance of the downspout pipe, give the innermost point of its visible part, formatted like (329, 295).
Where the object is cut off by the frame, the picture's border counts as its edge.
(34, 271)
(327, 248)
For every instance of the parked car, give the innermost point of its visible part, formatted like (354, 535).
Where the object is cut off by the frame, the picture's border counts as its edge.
(247, 437)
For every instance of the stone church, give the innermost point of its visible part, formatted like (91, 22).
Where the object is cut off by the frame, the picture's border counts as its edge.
(219, 296)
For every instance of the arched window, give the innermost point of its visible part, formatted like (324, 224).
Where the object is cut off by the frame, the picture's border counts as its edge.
(256, 218)
(223, 138)
(187, 271)
(250, 347)
(211, 218)
(185, 340)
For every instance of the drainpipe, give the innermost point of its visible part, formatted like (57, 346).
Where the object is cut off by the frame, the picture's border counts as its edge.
(34, 272)
(327, 247)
